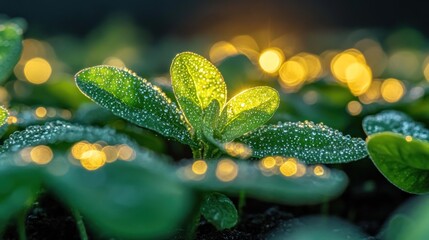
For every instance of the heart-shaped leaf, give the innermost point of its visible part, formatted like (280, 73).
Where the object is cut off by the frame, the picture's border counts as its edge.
(134, 99)
(196, 83)
(125, 199)
(301, 186)
(10, 48)
(394, 121)
(309, 142)
(402, 160)
(247, 111)
(219, 210)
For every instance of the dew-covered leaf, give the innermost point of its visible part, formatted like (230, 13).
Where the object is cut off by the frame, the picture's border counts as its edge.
(307, 141)
(134, 99)
(10, 48)
(125, 199)
(4, 114)
(58, 131)
(247, 111)
(235, 176)
(403, 160)
(394, 121)
(219, 210)
(18, 189)
(196, 83)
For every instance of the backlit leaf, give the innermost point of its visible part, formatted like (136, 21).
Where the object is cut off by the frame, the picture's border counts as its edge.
(307, 141)
(219, 210)
(4, 114)
(196, 83)
(402, 160)
(10, 48)
(134, 99)
(235, 176)
(394, 121)
(247, 111)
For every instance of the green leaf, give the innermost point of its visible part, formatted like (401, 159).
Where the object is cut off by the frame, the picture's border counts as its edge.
(134, 99)
(10, 48)
(4, 114)
(402, 160)
(219, 210)
(247, 111)
(196, 83)
(18, 190)
(235, 176)
(58, 131)
(394, 121)
(309, 142)
(125, 199)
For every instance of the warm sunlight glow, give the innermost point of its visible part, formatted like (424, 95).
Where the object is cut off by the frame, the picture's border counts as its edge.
(318, 170)
(199, 167)
(271, 59)
(238, 150)
(289, 167)
(40, 112)
(93, 159)
(292, 73)
(354, 108)
(392, 90)
(221, 50)
(226, 170)
(37, 70)
(41, 154)
(268, 163)
(408, 138)
(126, 153)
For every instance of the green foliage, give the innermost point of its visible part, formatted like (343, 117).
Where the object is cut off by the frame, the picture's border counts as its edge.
(10, 48)
(402, 162)
(133, 99)
(125, 199)
(219, 210)
(399, 148)
(196, 83)
(309, 142)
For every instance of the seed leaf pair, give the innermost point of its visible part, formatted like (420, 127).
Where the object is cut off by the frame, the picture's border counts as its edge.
(399, 148)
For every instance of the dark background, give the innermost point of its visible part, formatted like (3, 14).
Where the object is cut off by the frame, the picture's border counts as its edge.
(222, 17)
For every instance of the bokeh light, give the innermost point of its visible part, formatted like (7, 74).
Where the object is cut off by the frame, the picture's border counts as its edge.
(392, 90)
(271, 59)
(226, 170)
(37, 70)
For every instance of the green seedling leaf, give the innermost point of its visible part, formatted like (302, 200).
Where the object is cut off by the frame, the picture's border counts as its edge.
(401, 159)
(134, 99)
(125, 199)
(4, 114)
(235, 176)
(219, 210)
(10, 48)
(196, 83)
(58, 131)
(394, 121)
(307, 141)
(18, 190)
(247, 111)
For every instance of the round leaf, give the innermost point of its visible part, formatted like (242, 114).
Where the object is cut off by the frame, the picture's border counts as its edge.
(247, 111)
(219, 210)
(403, 160)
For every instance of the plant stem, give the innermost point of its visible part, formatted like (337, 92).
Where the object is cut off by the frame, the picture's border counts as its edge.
(191, 229)
(79, 224)
(241, 202)
(21, 225)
